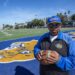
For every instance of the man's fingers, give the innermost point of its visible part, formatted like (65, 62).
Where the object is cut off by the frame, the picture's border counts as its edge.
(52, 54)
(51, 59)
(39, 56)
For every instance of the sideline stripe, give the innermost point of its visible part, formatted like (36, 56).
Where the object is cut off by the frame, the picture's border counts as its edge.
(18, 61)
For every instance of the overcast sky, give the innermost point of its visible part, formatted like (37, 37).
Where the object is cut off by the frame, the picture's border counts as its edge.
(12, 11)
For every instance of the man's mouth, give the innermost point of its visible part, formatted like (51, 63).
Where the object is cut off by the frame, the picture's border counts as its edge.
(54, 32)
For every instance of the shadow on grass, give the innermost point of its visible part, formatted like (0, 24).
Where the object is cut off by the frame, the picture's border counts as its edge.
(20, 70)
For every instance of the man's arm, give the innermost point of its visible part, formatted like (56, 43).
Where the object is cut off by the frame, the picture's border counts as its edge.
(68, 63)
(37, 47)
(65, 63)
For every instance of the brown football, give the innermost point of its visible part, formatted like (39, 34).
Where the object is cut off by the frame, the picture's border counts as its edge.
(45, 55)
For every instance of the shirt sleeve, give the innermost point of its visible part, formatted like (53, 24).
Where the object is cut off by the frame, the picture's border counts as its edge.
(37, 46)
(68, 63)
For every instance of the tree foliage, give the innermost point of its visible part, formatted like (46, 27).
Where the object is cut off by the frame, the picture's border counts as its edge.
(35, 23)
(73, 17)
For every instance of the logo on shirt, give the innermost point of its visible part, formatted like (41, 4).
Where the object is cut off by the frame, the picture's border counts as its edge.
(59, 45)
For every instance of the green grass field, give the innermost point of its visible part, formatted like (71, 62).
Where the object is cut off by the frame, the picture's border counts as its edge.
(13, 34)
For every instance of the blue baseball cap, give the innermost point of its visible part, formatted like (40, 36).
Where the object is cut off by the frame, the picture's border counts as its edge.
(53, 19)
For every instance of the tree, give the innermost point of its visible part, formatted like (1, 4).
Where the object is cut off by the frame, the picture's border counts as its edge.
(69, 12)
(73, 17)
(29, 25)
(35, 23)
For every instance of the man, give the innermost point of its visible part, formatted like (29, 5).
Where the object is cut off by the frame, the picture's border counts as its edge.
(60, 61)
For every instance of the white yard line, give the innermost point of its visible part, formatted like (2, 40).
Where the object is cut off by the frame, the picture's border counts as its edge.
(17, 61)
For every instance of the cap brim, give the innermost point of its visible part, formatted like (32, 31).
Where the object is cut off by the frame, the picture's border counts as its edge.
(55, 22)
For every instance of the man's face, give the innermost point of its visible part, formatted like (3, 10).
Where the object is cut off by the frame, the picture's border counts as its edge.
(54, 28)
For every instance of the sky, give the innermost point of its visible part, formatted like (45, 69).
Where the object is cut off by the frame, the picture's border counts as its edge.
(18, 11)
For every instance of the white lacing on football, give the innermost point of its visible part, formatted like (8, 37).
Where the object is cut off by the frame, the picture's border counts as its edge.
(48, 54)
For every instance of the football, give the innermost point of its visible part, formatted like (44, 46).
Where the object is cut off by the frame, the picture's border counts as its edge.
(45, 54)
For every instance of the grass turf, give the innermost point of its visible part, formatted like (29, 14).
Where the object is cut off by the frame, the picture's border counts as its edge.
(18, 33)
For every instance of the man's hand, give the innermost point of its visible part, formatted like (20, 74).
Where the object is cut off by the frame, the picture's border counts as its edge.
(42, 55)
(53, 58)
(39, 55)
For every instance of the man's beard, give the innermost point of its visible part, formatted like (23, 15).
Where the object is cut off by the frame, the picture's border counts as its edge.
(53, 33)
